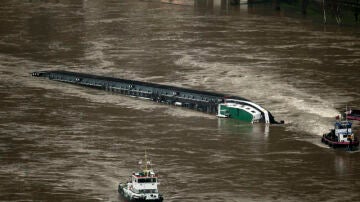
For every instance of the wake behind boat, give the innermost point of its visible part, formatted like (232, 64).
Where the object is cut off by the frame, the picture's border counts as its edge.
(142, 185)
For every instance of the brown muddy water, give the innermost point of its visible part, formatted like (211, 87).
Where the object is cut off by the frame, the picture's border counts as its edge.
(60, 142)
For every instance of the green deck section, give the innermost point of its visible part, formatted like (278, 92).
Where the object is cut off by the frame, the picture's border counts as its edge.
(236, 113)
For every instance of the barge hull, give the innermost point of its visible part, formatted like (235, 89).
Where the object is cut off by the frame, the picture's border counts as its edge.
(356, 118)
(202, 101)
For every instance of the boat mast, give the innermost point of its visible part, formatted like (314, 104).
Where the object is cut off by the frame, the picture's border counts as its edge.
(346, 114)
(146, 162)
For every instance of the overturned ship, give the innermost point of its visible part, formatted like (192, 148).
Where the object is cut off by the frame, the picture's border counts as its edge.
(225, 106)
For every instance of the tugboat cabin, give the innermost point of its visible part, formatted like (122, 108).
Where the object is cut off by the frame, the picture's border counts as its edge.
(144, 182)
(343, 131)
(341, 136)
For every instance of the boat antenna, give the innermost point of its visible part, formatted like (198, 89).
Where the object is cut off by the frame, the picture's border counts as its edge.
(147, 163)
(140, 162)
(345, 113)
(146, 160)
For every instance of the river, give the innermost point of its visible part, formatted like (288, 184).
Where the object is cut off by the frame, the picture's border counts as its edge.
(60, 142)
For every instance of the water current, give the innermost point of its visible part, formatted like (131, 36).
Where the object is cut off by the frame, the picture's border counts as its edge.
(60, 142)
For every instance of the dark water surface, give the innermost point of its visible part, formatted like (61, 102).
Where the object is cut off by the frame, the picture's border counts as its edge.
(60, 142)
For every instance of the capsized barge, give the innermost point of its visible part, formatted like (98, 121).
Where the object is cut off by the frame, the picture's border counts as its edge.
(213, 103)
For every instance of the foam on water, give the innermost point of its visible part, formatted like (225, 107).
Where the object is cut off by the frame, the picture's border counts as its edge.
(180, 112)
(81, 151)
(94, 95)
(304, 111)
(296, 107)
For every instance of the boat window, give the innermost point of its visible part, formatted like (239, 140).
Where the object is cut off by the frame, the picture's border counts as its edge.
(149, 191)
(146, 180)
(253, 112)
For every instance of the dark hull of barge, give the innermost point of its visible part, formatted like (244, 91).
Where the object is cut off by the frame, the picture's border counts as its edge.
(202, 101)
(353, 115)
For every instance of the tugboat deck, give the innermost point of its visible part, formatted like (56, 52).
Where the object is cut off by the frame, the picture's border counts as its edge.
(341, 136)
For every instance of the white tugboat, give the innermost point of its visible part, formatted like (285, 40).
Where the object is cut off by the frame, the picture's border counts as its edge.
(142, 185)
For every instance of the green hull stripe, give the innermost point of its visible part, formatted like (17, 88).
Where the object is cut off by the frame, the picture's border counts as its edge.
(236, 113)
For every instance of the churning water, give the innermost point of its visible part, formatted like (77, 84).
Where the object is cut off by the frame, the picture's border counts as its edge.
(60, 142)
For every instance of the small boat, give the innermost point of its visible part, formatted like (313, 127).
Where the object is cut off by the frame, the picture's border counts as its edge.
(142, 185)
(353, 114)
(341, 136)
